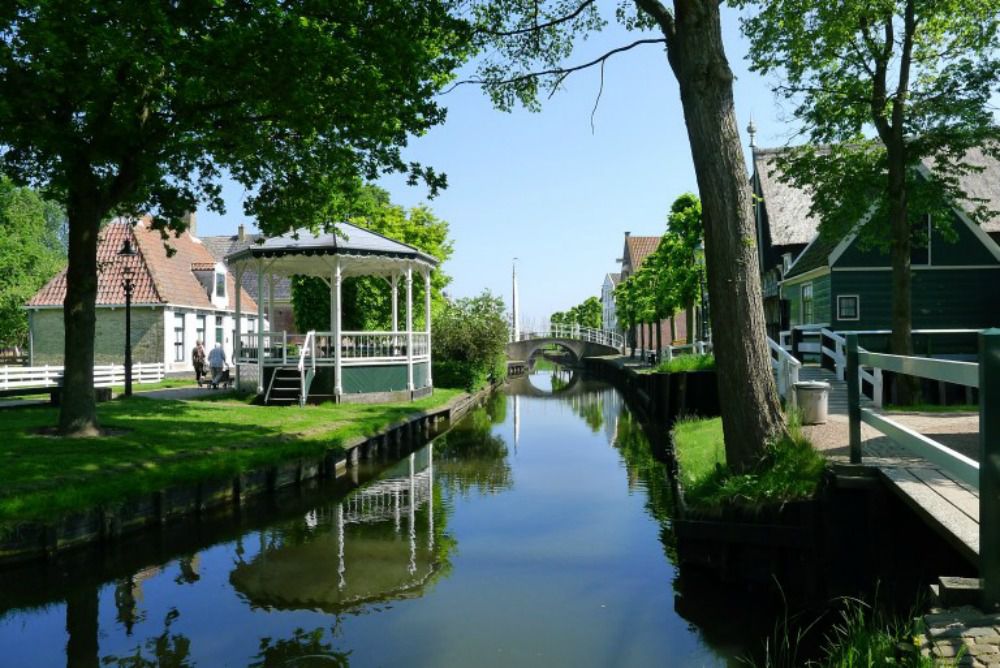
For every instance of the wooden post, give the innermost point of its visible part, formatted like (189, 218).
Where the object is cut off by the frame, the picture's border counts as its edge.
(335, 325)
(409, 327)
(989, 472)
(260, 326)
(238, 343)
(853, 397)
(427, 322)
(796, 338)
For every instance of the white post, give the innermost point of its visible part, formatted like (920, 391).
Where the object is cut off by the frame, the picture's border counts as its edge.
(409, 326)
(238, 343)
(395, 301)
(260, 326)
(515, 321)
(338, 385)
(270, 302)
(427, 322)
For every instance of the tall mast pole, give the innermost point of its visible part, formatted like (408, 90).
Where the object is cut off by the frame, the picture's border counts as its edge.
(515, 321)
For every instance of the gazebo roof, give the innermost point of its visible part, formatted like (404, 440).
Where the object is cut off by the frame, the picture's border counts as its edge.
(305, 252)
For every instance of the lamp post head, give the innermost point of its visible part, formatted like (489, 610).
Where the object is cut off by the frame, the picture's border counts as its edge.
(127, 250)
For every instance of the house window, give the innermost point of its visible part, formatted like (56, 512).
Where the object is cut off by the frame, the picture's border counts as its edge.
(807, 304)
(178, 337)
(199, 323)
(848, 307)
(219, 331)
(220, 284)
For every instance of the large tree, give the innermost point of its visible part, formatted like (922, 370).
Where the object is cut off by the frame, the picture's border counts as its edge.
(139, 107)
(529, 42)
(915, 75)
(31, 252)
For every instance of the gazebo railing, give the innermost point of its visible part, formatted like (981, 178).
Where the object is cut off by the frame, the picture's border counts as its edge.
(283, 348)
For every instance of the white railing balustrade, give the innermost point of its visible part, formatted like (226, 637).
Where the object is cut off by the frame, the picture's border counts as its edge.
(275, 346)
(374, 345)
(42, 377)
(589, 334)
(786, 370)
(307, 371)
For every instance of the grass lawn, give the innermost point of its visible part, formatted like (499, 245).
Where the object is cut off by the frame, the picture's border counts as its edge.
(791, 468)
(683, 363)
(168, 442)
(165, 384)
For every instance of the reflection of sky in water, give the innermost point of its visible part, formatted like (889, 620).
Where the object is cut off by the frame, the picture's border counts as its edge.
(543, 555)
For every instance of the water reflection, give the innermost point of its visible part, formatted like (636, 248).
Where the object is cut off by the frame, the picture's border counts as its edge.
(383, 542)
(559, 508)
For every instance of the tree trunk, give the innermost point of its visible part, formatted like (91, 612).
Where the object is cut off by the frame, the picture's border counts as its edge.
(689, 323)
(673, 328)
(78, 410)
(659, 339)
(901, 338)
(632, 336)
(82, 647)
(751, 414)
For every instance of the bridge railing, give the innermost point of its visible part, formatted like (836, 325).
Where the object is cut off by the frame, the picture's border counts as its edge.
(589, 334)
(983, 475)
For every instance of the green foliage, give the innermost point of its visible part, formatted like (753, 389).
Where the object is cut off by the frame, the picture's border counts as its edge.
(873, 80)
(367, 300)
(685, 363)
(790, 468)
(469, 337)
(866, 635)
(588, 313)
(31, 252)
(160, 443)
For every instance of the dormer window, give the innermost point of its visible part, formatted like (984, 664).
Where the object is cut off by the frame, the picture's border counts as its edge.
(220, 285)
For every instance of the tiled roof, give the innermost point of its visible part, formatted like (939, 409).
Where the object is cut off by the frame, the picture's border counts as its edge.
(158, 279)
(615, 277)
(639, 248)
(787, 206)
(221, 246)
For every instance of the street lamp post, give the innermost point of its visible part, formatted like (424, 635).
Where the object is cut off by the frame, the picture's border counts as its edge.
(127, 252)
(703, 326)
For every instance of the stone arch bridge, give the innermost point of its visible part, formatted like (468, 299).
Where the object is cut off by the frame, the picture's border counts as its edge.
(579, 341)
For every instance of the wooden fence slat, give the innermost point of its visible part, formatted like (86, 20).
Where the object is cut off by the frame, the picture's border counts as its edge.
(960, 373)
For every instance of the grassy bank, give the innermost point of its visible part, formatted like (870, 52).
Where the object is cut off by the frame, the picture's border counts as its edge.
(158, 443)
(790, 469)
(684, 363)
(165, 384)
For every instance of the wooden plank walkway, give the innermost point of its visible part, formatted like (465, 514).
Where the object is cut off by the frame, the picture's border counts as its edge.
(948, 506)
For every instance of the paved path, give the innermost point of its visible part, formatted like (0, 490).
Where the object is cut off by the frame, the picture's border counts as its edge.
(948, 505)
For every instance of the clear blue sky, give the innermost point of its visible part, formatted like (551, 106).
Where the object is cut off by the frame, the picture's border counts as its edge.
(544, 188)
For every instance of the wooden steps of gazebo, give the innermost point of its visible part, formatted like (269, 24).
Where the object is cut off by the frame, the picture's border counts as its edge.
(286, 386)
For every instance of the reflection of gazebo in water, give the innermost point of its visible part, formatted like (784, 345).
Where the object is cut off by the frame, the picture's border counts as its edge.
(285, 366)
(379, 547)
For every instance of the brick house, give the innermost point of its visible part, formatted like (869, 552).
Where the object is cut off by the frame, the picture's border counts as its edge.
(637, 249)
(177, 300)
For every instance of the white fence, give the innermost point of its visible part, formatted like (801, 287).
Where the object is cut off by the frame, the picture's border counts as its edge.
(786, 370)
(42, 377)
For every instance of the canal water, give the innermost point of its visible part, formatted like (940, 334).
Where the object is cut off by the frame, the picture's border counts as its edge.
(535, 533)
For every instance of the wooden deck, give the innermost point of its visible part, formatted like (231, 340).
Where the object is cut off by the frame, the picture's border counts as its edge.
(946, 504)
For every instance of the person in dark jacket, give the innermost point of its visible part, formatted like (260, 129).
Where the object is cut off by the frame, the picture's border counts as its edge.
(198, 361)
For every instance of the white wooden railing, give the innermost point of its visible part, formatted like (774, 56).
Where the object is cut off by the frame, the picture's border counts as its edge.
(355, 347)
(307, 371)
(41, 377)
(589, 334)
(786, 370)
(696, 348)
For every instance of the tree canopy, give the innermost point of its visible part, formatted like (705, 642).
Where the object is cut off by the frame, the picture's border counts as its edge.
(32, 251)
(587, 313)
(366, 301)
(883, 89)
(469, 338)
(140, 107)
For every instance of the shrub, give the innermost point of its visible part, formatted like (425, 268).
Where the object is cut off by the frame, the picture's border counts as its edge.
(469, 339)
(683, 363)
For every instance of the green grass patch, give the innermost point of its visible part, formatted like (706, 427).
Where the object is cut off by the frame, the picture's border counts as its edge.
(933, 408)
(789, 470)
(163, 443)
(684, 363)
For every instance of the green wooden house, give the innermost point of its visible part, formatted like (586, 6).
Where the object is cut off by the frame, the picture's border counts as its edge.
(956, 281)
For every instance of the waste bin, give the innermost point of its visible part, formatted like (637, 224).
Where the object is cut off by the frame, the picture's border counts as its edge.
(812, 398)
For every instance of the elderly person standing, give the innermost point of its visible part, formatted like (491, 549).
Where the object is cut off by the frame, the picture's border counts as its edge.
(198, 361)
(216, 362)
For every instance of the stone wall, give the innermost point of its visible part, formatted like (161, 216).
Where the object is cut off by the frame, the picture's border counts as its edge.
(48, 337)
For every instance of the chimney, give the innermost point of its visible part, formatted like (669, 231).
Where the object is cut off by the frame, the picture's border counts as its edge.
(191, 221)
(241, 233)
(627, 233)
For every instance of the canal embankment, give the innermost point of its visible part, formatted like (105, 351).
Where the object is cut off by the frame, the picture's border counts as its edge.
(161, 461)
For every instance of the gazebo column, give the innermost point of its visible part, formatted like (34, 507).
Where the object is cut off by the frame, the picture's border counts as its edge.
(427, 322)
(409, 326)
(394, 282)
(238, 343)
(270, 301)
(260, 326)
(335, 286)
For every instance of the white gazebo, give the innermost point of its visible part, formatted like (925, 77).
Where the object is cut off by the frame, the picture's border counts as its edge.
(288, 367)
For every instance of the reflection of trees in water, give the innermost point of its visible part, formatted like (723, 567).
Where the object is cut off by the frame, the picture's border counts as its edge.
(470, 456)
(167, 650)
(302, 649)
(645, 471)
